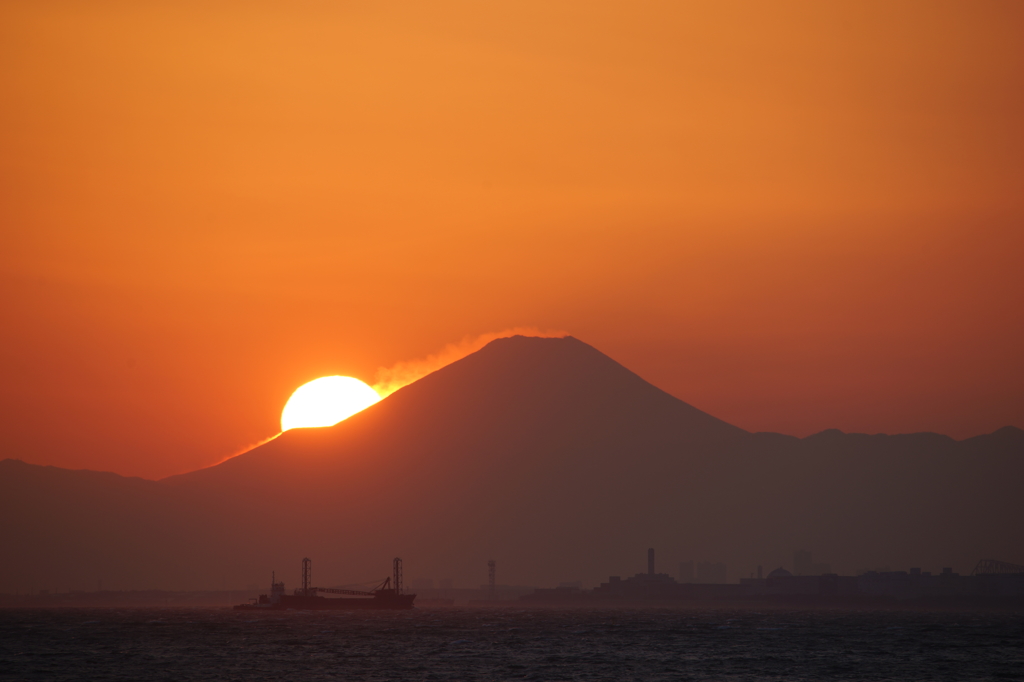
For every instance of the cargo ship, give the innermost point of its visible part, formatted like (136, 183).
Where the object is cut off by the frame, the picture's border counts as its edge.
(387, 595)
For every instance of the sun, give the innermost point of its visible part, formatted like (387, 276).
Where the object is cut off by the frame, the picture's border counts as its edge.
(326, 401)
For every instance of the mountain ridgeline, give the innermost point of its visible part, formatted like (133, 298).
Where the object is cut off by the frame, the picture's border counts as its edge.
(543, 454)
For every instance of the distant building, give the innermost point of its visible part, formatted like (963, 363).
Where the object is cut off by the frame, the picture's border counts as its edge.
(991, 583)
(702, 572)
(708, 572)
(803, 564)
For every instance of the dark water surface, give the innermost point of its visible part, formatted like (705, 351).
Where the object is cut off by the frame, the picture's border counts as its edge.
(475, 644)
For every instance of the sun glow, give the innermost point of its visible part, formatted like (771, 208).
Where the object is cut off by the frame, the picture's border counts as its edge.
(326, 401)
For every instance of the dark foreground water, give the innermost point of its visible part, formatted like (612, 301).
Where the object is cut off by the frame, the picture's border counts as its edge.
(471, 644)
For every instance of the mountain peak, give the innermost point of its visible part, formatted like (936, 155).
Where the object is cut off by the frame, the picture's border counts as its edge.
(560, 378)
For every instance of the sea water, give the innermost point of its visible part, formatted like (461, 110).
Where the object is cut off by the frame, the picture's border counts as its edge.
(509, 644)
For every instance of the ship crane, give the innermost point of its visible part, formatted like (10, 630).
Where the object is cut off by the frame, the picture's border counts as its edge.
(384, 586)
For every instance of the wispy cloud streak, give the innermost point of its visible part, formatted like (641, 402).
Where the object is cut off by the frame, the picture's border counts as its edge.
(390, 379)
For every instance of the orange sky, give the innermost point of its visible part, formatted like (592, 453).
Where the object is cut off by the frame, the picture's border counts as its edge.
(794, 216)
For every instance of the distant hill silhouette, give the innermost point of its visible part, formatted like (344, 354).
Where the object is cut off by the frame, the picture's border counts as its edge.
(543, 454)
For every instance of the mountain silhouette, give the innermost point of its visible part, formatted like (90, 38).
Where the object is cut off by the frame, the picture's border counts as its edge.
(543, 454)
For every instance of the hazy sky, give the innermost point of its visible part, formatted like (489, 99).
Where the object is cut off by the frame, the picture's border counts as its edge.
(792, 215)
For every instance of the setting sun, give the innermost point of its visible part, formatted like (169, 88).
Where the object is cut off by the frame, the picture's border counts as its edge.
(326, 401)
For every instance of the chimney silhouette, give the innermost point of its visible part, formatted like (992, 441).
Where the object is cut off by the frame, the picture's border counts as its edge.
(650, 561)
